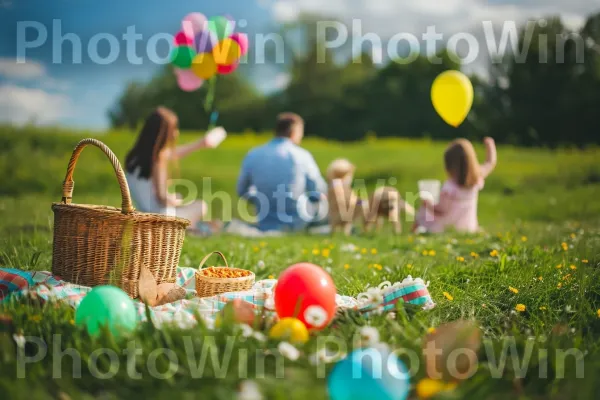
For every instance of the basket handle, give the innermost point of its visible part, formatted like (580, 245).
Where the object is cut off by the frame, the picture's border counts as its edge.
(126, 206)
(208, 256)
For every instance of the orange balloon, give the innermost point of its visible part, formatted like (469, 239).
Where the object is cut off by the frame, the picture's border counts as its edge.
(204, 66)
(227, 52)
(306, 292)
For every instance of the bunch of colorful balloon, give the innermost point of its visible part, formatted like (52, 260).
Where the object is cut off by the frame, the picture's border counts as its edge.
(206, 48)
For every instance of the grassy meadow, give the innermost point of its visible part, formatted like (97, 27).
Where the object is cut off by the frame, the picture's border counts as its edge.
(533, 275)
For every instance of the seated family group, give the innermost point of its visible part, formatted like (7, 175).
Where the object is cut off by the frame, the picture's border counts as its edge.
(284, 184)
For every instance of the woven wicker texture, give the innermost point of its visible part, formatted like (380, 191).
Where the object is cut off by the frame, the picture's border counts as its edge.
(99, 245)
(210, 286)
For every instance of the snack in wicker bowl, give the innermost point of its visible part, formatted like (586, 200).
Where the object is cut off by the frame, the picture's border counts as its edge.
(217, 280)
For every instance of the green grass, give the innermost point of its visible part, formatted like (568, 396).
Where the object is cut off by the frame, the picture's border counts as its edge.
(535, 201)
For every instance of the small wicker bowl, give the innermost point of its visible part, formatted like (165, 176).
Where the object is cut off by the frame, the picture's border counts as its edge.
(207, 286)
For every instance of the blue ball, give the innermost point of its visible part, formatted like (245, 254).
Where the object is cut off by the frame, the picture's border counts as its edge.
(369, 374)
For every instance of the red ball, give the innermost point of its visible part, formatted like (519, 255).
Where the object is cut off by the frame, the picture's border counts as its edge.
(306, 286)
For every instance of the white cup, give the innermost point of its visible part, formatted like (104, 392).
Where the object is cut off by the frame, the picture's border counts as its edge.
(430, 189)
(215, 137)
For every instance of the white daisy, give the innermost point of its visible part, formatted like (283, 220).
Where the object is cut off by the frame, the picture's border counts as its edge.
(320, 357)
(288, 351)
(19, 340)
(247, 330)
(259, 336)
(369, 336)
(261, 264)
(316, 316)
(249, 390)
(348, 248)
(375, 295)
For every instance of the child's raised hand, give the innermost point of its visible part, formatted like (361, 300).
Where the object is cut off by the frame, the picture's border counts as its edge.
(488, 141)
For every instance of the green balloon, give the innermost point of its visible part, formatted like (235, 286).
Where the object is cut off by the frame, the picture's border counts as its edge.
(182, 57)
(222, 27)
(106, 306)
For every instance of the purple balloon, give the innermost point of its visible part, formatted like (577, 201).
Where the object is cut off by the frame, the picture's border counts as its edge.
(205, 41)
(193, 23)
(187, 80)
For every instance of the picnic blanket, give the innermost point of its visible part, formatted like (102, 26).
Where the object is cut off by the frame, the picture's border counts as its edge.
(16, 284)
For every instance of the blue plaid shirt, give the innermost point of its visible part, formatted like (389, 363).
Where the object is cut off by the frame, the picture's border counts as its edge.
(283, 181)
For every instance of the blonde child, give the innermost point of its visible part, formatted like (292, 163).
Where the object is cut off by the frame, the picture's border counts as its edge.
(457, 206)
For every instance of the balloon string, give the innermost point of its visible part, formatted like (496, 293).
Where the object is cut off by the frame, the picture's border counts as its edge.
(208, 102)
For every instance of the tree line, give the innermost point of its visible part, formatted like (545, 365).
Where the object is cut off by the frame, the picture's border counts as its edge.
(522, 101)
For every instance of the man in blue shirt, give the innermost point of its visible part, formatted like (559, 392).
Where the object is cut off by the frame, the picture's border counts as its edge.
(282, 180)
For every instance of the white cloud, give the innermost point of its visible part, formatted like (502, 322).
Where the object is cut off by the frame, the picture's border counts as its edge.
(10, 69)
(388, 17)
(20, 105)
(285, 11)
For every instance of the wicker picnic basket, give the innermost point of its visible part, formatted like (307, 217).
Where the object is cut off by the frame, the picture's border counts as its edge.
(207, 286)
(98, 245)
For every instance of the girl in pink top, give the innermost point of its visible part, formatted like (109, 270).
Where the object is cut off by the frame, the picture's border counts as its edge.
(457, 207)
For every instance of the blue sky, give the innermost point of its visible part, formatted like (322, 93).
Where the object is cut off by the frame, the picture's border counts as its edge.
(79, 94)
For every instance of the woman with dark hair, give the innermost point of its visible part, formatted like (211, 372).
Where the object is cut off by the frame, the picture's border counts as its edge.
(147, 167)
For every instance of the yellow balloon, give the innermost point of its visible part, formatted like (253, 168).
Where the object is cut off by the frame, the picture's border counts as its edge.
(204, 66)
(291, 329)
(452, 97)
(227, 52)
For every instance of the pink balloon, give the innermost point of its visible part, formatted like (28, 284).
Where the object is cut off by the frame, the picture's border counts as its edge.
(227, 69)
(182, 39)
(187, 80)
(194, 23)
(242, 40)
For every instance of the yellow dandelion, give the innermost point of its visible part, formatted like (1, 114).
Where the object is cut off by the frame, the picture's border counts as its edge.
(316, 252)
(448, 296)
(379, 266)
(325, 252)
(431, 253)
(424, 252)
(72, 322)
(363, 251)
(559, 285)
(460, 259)
(559, 266)
(598, 312)
(346, 266)
(271, 276)
(540, 278)
(520, 307)
(573, 267)
(431, 330)
(543, 308)
(262, 244)
(514, 290)
(373, 251)
(474, 255)
(409, 266)
(584, 261)
(564, 246)
(494, 253)
(428, 388)
(255, 249)
(523, 238)
(573, 236)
